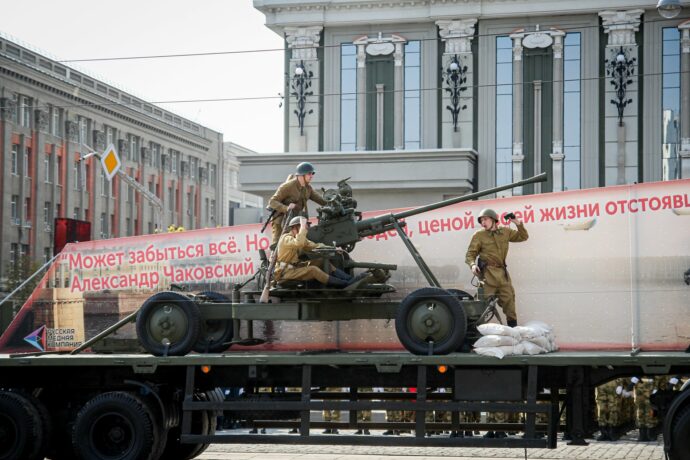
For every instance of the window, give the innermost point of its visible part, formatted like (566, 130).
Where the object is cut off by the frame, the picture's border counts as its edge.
(194, 169)
(58, 179)
(234, 179)
(207, 209)
(46, 213)
(571, 111)
(103, 181)
(670, 104)
(76, 213)
(212, 175)
(55, 127)
(412, 95)
(213, 210)
(15, 159)
(14, 210)
(504, 110)
(109, 136)
(26, 162)
(175, 160)
(14, 253)
(75, 174)
(104, 228)
(47, 254)
(348, 97)
(46, 169)
(128, 226)
(83, 130)
(26, 211)
(25, 250)
(171, 199)
(133, 148)
(25, 111)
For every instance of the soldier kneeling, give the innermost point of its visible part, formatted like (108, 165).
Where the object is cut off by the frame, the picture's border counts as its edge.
(290, 267)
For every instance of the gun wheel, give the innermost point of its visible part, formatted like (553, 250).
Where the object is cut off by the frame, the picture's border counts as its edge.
(215, 334)
(431, 319)
(168, 324)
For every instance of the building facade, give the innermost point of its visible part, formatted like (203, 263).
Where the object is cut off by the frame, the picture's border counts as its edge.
(51, 115)
(242, 207)
(437, 97)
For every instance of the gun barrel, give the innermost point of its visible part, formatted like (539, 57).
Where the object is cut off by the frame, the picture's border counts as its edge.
(430, 207)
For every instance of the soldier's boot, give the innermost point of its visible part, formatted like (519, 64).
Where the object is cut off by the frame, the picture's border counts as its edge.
(644, 435)
(253, 431)
(614, 433)
(388, 433)
(359, 432)
(490, 434)
(604, 433)
(512, 322)
(293, 431)
(366, 432)
(360, 280)
(468, 434)
(500, 434)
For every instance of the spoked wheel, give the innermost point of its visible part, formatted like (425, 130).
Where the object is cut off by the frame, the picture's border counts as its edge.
(116, 426)
(431, 320)
(168, 324)
(215, 333)
(21, 429)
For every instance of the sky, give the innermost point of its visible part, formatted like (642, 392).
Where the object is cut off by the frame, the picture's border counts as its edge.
(84, 29)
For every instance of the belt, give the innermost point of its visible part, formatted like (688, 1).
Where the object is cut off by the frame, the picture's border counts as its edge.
(489, 264)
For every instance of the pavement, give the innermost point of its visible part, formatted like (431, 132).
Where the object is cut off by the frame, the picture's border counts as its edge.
(627, 448)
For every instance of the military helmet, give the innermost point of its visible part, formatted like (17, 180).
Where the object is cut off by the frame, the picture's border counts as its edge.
(487, 213)
(294, 221)
(305, 168)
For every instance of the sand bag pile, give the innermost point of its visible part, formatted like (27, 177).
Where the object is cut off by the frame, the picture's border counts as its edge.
(497, 340)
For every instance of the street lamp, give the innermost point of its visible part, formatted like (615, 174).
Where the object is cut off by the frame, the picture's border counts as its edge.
(668, 8)
(301, 82)
(455, 77)
(620, 69)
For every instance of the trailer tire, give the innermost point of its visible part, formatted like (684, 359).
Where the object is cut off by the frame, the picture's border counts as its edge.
(21, 429)
(214, 334)
(203, 422)
(431, 314)
(680, 436)
(168, 324)
(116, 425)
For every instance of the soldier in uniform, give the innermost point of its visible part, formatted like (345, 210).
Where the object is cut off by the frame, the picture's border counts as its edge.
(364, 415)
(293, 195)
(393, 415)
(331, 415)
(609, 410)
(646, 421)
(290, 267)
(491, 246)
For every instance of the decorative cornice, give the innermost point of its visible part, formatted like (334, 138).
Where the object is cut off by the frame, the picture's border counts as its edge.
(303, 41)
(621, 26)
(458, 34)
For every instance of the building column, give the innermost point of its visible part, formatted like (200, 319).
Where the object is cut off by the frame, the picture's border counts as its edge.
(557, 155)
(684, 154)
(518, 156)
(398, 98)
(457, 35)
(621, 136)
(303, 42)
(361, 97)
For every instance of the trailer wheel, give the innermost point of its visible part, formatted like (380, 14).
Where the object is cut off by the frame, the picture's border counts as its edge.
(431, 315)
(215, 333)
(680, 436)
(461, 295)
(203, 422)
(116, 426)
(21, 430)
(168, 324)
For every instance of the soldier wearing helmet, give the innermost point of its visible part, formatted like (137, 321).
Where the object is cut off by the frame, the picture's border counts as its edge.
(293, 195)
(290, 267)
(489, 247)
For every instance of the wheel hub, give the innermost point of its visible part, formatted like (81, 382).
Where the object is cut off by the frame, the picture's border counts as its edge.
(430, 321)
(168, 322)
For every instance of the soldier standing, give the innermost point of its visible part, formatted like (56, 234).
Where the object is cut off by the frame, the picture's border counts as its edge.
(331, 415)
(293, 195)
(646, 421)
(489, 248)
(609, 410)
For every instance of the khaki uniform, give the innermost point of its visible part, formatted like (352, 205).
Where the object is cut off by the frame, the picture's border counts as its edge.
(291, 191)
(492, 247)
(288, 264)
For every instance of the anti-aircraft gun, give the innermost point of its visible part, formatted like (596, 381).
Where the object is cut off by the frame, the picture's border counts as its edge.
(430, 320)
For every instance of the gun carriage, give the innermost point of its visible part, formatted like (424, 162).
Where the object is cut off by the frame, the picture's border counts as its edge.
(431, 320)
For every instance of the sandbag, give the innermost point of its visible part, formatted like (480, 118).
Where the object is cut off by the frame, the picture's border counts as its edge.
(500, 352)
(498, 329)
(532, 348)
(495, 341)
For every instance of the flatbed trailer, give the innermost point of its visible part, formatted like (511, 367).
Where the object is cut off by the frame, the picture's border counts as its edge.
(97, 401)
